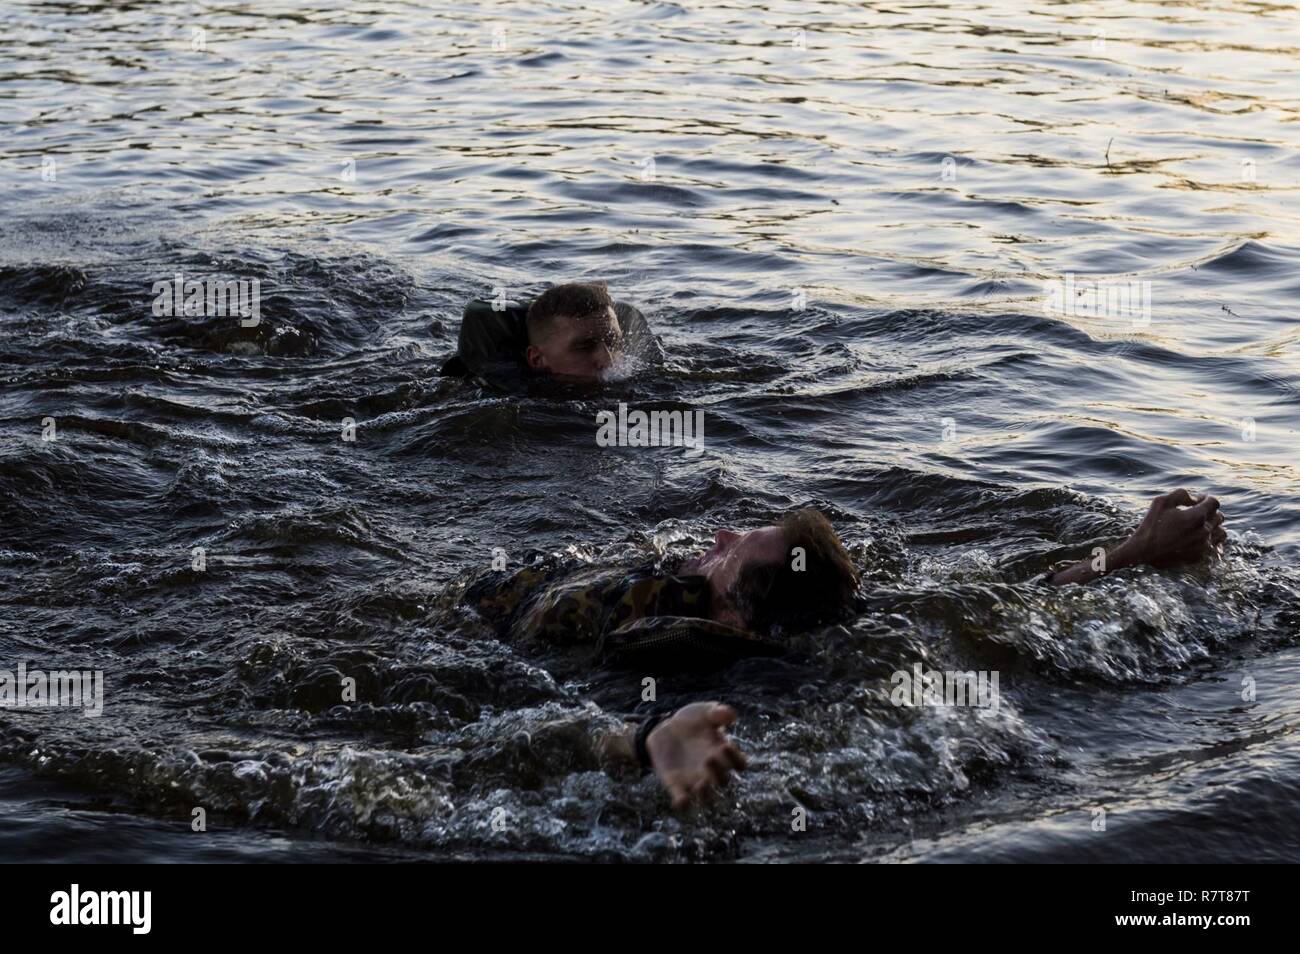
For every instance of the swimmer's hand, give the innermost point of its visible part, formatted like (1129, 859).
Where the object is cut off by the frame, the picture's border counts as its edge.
(1179, 527)
(691, 752)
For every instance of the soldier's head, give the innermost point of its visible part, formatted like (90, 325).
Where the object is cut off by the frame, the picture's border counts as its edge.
(791, 575)
(573, 332)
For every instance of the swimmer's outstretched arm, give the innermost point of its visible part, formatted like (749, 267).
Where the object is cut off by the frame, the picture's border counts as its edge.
(1178, 528)
(690, 751)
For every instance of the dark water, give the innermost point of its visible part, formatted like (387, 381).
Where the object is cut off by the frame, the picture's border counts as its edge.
(1161, 149)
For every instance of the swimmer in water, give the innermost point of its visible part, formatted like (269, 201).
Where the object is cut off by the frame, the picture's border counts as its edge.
(724, 602)
(718, 606)
(573, 332)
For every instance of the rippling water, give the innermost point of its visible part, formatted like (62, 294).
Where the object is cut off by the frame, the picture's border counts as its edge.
(841, 221)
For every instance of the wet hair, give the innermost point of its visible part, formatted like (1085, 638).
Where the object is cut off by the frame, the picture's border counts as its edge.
(777, 595)
(575, 300)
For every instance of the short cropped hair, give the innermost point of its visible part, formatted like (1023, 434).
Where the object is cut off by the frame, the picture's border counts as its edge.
(575, 300)
(799, 590)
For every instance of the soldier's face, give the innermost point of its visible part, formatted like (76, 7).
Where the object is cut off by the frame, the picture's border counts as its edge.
(578, 348)
(732, 552)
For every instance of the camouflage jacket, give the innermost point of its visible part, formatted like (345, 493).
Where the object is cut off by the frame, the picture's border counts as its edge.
(625, 614)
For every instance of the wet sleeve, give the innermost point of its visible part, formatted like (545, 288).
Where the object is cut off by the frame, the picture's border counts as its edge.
(496, 595)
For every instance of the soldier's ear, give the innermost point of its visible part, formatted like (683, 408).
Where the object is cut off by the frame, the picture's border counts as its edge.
(534, 358)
